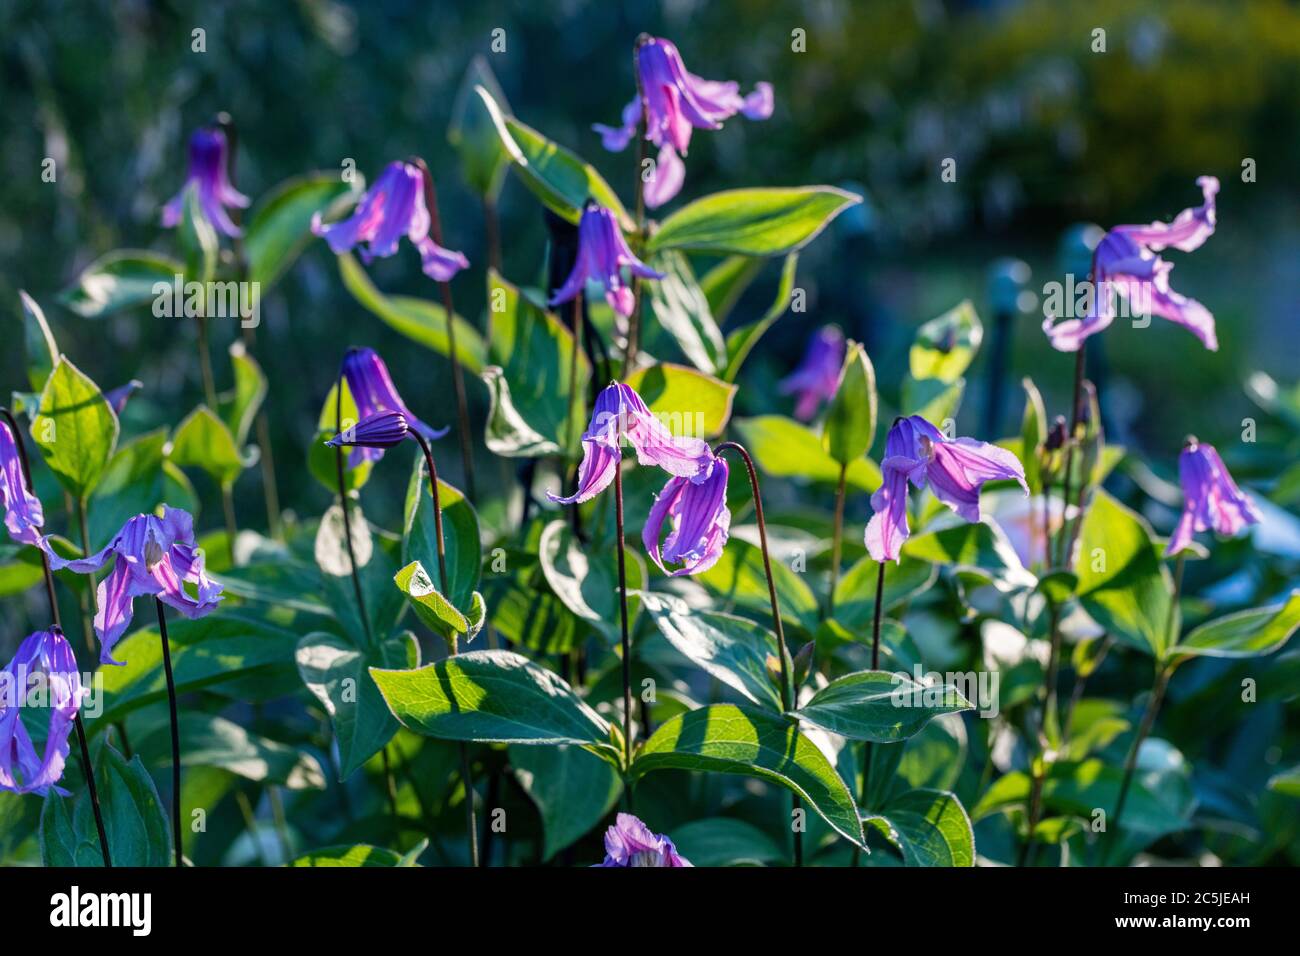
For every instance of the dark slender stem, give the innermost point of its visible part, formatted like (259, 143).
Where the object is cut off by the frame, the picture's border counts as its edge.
(571, 420)
(437, 509)
(94, 791)
(1035, 810)
(634, 321)
(176, 734)
(622, 607)
(877, 614)
(457, 376)
(228, 510)
(837, 539)
(347, 518)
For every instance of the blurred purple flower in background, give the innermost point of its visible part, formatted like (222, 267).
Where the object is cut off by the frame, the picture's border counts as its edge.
(620, 415)
(392, 208)
(602, 254)
(818, 375)
(700, 522)
(24, 515)
(954, 469)
(629, 842)
(373, 391)
(207, 176)
(678, 101)
(118, 397)
(1125, 262)
(1211, 499)
(45, 665)
(153, 557)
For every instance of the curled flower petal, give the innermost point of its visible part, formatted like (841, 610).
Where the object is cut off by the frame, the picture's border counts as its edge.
(1211, 499)
(629, 842)
(700, 523)
(595, 472)
(382, 430)
(670, 174)
(23, 513)
(44, 670)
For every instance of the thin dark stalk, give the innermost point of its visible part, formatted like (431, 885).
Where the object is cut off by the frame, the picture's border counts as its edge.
(877, 614)
(347, 518)
(634, 321)
(228, 510)
(571, 419)
(176, 734)
(837, 539)
(457, 376)
(626, 644)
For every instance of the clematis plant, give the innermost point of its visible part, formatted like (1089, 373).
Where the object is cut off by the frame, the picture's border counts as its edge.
(603, 254)
(700, 522)
(817, 376)
(23, 513)
(210, 182)
(1211, 499)
(373, 392)
(629, 842)
(45, 659)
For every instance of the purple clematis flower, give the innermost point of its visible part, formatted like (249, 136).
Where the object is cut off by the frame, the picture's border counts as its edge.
(954, 469)
(373, 391)
(700, 518)
(629, 842)
(384, 430)
(207, 176)
(151, 556)
(602, 254)
(1211, 499)
(621, 415)
(44, 669)
(24, 515)
(118, 397)
(678, 102)
(818, 375)
(393, 207)
(1126, 262)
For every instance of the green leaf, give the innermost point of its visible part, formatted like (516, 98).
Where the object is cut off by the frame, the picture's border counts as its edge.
(944, 347)
(1123, 583)
(119, 280)
(855, 592)
(880, 706)
(239, 407)
(1033, 434)
(741, 341)
(687, 401)
(433, 608)
(738, 578)
(204, 441)
(557, 177)
(338, 674)
(1252, 633)
(464, 556)
(723, 841)
(732, 649)
(42, 352)
(378, 558)
(137, 829)
(573, 791)
(420, 320)
(587, 583)
(933, 399)
(726, 282)
(929, 827)
(198, 241)
(851, 417)
(358, 855)
(979, 547)
(752, 222)
(280, 227)
(1286, 783)
(724, 738)
(472, 133)
(211, 741)
(682, 310)
(783, 448)
(531, 616)
(535, 352)
(75, 429)
(132, 484)
(495, 696)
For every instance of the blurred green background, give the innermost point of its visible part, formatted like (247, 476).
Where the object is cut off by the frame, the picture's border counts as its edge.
(1046, 134)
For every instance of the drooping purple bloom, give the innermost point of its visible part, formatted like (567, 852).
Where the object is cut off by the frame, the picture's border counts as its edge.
(629, 842)
(384, 430)
(1126, 263)
(678, 102)
(818, 375)
(42, 674)
(954, 469)
(373, 391)
(602, 255)
(621, 415)
(392, 208)
(153, 557)
(208, 177)
(1211, 499)
(24, 515)
(118, 397)
(700, 522)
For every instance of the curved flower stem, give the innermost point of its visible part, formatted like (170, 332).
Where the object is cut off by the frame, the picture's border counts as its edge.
(457, 376)
(634, 321)
(626, 645)
(466, 770)
(786, 701)
(837, 539)
(876, 616)
(347, 519)
(176, 738)
(58, 626)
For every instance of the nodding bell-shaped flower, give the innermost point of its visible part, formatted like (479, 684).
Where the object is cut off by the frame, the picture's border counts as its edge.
(602, 255)
(392, 208)
(209, 156)
(24, 515)
(154, 557)
(44, 665)
(677, 102)
(629, 842)
(1211, 499)
(700, 522)
(378, 431)
(621, 415)
(954, 469)
(818, 375)
(373, 391)
(1125, 262)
